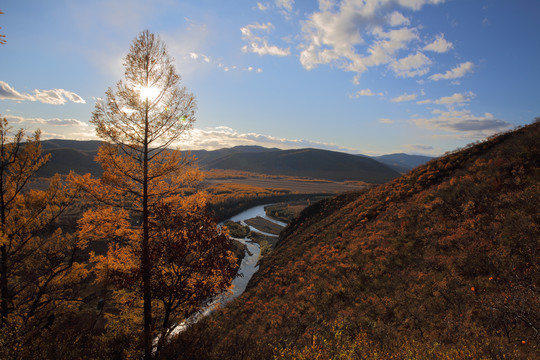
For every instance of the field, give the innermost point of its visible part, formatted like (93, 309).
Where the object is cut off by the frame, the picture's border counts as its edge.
(300, 186)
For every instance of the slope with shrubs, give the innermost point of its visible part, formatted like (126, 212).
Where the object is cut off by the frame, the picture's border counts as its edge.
(441, 263)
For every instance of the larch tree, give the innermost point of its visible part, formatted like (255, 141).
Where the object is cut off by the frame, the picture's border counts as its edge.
(2, 37)
(140, 120)
(39, 271)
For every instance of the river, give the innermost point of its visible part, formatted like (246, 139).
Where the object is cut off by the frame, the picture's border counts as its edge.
(248, 267)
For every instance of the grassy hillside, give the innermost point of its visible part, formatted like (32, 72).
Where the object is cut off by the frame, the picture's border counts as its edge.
(441, 263)
(315, 163)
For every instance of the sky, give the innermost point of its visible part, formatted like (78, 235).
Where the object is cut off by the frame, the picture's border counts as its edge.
(360, 76)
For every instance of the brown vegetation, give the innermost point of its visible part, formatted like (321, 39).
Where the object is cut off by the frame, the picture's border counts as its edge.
(441, 263)
(264, 225)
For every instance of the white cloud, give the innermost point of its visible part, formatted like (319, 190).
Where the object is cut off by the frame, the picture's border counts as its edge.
(285, 4)
(388, 44)
(204, 58)
(8, 93)
(412, 65)
(462, 121)
(262, 7)
(386, 121)
(365, 92)
(259, 44)
(396, 19)
(54, 96)
(350, 35)
(57, 96)
(440, 45)
(223, 137)
(457, 98)
(457, 72)
(417, 4)
(22, 121)
(404, 97)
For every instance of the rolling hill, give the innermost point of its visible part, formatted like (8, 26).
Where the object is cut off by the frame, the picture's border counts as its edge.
(67, 155)
(440, 263)
(315, 163)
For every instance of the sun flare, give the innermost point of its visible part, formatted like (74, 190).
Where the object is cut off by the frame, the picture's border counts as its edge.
(150, 93)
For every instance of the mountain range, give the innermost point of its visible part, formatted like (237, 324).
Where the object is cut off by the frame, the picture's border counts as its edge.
(67, 155)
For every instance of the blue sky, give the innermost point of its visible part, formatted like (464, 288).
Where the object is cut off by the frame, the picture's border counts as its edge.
(361, 76)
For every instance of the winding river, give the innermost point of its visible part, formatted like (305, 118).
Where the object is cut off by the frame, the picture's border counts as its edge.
(248, 267)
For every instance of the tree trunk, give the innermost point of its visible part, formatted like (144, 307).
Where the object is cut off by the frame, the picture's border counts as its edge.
(145, 261)
(3, 285)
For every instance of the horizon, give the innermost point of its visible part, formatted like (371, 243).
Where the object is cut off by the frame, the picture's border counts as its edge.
(420, 77)
(260, 146)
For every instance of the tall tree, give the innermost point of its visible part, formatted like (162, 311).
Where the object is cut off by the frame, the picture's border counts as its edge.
(38, 267)
(190, 256)
(139, 121)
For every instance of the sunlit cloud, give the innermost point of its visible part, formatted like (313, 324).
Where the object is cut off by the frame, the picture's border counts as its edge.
(412, 65)
(457, 98)
(262, 7)
(455, 73)
(439, 45)
(22, 121)
(404, 97)
(224, 137)
(386, 121)
(364, 92)
(54, 128)
(54, 96)
(8, 93)
(462, 121)
(258, 44)
(396, 19)
(194, 56)
(350, 35)
(57, 97)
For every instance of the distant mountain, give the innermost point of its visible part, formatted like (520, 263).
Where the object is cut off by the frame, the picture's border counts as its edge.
(83, 145)
(206, 156)
(402, 162)
(68, 155)
(315, 163)
(79, 156)
(440, 263)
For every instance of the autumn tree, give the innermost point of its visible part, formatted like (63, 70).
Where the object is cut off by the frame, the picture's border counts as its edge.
(139, 121)
(39, 274)
(2, 37)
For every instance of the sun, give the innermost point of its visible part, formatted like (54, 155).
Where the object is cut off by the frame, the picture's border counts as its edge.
(148, 93)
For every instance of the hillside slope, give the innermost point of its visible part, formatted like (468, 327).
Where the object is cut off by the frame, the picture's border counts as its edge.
(64, 160)
(315, 163)
(441, 263)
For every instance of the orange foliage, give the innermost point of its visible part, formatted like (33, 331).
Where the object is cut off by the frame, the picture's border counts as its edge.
(439, 263)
